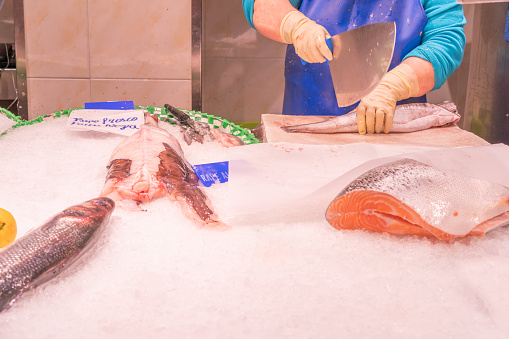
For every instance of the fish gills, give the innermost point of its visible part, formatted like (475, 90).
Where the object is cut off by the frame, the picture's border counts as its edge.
(408, 197)
(45, 251)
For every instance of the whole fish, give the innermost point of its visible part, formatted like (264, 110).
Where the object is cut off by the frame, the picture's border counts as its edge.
(150, 164)
(410, 197)
(407, 118)
(45, 251)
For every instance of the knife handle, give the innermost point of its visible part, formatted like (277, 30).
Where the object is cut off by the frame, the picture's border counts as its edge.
(329, 44)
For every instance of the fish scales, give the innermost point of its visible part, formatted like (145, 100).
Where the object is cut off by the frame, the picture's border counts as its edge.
(446, 204)
(45, 251)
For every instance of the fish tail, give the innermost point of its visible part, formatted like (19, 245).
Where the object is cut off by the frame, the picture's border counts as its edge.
(292, 129)
(317, 127)
(191, 198)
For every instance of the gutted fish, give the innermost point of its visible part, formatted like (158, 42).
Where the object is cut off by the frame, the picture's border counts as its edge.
(407, 118)
(410, 197)
(150, 164)
(45, 251)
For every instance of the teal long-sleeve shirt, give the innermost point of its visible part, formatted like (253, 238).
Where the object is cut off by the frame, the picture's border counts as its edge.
(443, 38)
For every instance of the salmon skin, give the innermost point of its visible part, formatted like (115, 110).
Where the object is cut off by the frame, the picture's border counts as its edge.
(407, 118)
(45, 251)
(407, 197)
(150, 164)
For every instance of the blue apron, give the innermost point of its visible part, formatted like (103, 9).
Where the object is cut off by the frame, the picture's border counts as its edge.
(308, 88)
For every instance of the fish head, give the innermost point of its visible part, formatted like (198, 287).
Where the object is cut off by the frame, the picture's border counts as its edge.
(449, 113)
(93, 212)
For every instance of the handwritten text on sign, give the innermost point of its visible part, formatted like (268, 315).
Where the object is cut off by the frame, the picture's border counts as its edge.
(108, 121)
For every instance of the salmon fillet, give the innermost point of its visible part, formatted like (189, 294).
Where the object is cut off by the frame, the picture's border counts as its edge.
(408, 197)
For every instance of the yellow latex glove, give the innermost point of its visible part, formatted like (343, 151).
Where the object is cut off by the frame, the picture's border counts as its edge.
(307, 37)
(376, 110)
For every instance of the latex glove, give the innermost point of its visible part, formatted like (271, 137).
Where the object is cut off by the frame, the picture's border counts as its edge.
(307, 37)
(376, 110)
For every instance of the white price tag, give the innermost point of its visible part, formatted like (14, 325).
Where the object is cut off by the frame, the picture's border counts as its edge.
(107, 121)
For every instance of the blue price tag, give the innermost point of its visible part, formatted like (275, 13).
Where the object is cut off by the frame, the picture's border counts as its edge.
(125, 105)
(213, 173)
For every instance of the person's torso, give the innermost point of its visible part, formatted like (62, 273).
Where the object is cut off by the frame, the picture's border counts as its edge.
(309, 89)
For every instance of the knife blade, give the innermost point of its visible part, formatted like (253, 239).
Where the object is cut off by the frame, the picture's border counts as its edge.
(360, 58)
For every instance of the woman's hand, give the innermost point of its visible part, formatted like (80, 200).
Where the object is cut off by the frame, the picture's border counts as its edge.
(307, 37)
(412, 78)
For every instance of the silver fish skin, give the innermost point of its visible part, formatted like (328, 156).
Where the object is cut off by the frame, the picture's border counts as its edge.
(407, 118)
(45, 251)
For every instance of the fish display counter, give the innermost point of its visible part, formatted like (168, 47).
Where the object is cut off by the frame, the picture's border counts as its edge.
(277, 266)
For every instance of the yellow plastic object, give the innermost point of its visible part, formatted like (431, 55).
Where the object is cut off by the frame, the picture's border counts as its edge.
(8, 228)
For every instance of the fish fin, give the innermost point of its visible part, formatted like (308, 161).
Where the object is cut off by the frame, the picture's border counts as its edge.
(54, 271)
(9, 298)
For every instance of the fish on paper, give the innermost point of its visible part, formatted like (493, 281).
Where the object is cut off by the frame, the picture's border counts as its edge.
(407, 118)
(45, 251)
(408, 197)
(151, 164)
